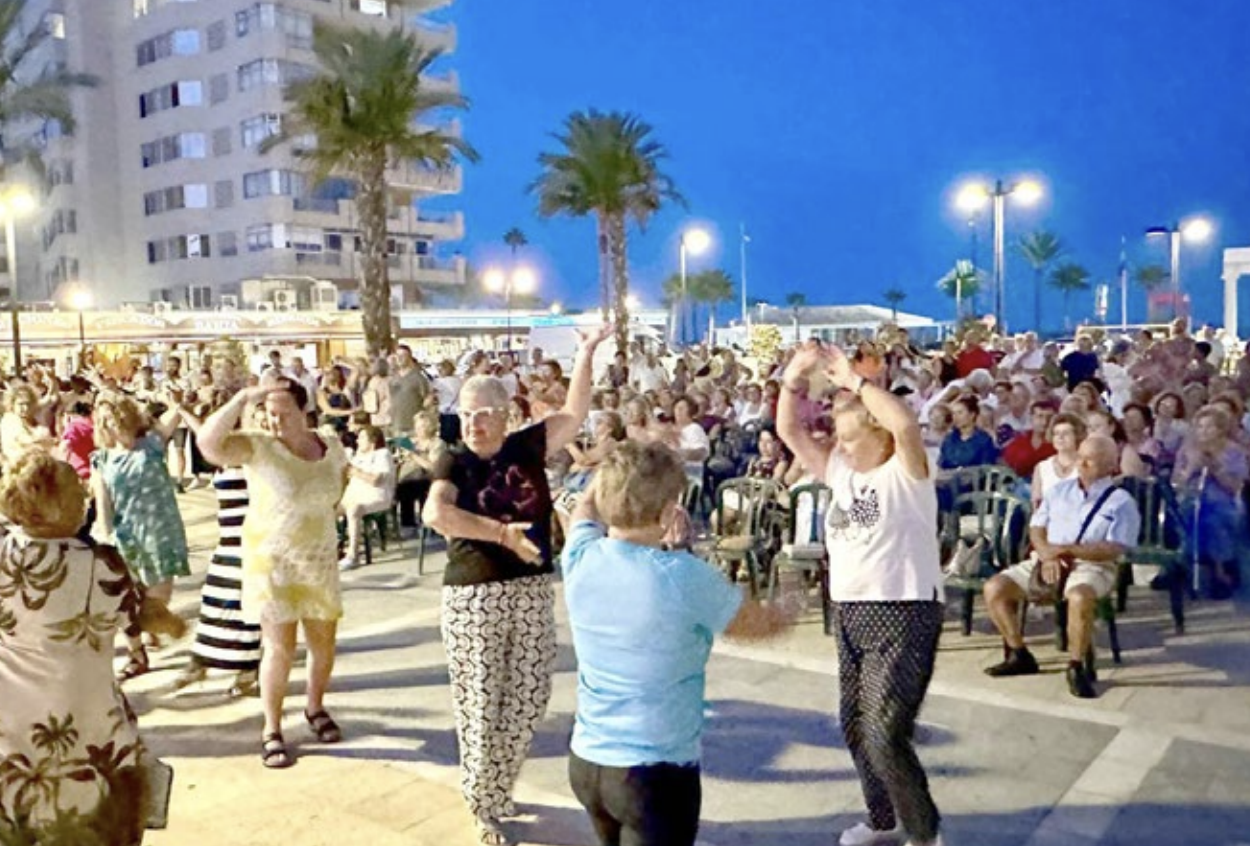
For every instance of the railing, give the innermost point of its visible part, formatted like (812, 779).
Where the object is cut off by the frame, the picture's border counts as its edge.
(312, 204)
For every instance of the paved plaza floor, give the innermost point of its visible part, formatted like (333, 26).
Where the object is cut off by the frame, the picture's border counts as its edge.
(1162, 757)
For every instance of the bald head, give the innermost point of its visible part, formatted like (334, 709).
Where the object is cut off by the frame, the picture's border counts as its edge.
(1097, 458)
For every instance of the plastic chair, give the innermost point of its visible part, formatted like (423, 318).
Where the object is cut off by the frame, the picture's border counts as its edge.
(750, 503)
(1161, 543)
(804, 546)
(1000, 522)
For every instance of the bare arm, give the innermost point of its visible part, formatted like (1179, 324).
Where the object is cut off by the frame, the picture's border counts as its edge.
(810, 453)
(214, 431)
(563, 426)
(169, 421)
(890, 411)
(756, 621)
(443, 516)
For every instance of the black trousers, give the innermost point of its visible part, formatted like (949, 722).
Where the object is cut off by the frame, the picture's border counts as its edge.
(654, 805)
(410, 494)
(886, 652)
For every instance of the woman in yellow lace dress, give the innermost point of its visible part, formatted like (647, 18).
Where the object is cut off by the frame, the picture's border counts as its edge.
(290, 547)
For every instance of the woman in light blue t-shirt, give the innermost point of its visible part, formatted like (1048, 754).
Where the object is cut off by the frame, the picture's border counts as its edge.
(643, 620)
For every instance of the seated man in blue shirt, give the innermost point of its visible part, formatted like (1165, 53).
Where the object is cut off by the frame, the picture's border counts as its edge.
(643, 620)
(1111, 526)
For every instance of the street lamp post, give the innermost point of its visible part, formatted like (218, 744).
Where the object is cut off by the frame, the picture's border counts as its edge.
(1194, 230)
(693, 242)
(521, 280)
(80, 300)
(972, 197)
(14, 203)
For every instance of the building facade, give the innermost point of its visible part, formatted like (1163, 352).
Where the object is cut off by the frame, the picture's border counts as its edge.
(162, 193)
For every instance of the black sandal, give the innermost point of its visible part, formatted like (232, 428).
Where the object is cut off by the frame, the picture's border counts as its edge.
(323, 725)
(273, 752)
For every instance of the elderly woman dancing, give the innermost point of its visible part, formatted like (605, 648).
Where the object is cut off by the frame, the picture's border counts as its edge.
(493, 502)
(885, 582)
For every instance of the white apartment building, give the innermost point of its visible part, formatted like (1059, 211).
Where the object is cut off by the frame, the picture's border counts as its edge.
(162, 194)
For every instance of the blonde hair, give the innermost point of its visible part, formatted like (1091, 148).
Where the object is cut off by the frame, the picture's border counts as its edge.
(636, 482)
(18, 392)
(117, 416)
(43, 495)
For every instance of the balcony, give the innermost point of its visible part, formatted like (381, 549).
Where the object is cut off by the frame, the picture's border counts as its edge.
(413, 178)
(441, 226)
(312, 204)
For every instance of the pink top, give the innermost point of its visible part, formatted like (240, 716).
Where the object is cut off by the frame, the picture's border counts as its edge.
(79, 439)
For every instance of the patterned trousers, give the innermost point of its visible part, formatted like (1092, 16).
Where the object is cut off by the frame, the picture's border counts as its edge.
(500, 639)
(886, 652)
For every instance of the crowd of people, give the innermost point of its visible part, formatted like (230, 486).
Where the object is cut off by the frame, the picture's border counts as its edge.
(513, 461)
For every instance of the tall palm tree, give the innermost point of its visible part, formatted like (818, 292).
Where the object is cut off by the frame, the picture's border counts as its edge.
(608, 166)
(25, 94)
(894, 298)
(712, 287)
(1040, 249)
(515, 239)
(1151, 277)
(1069, 277)
(363, 107)
(797, 301)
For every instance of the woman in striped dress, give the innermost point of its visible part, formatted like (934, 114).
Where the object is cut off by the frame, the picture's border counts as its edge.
(223, 641)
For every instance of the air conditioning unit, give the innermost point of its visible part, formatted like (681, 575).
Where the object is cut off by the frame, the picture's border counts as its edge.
(264, 306)
(325, 296)
(284, 300)
(162, 308)
(229, 302)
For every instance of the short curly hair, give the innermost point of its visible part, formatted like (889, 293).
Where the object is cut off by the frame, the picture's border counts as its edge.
(118, 415)
(44, 496)
(636, 482)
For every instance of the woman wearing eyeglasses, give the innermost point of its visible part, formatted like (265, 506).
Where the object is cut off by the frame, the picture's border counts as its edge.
(493, 503)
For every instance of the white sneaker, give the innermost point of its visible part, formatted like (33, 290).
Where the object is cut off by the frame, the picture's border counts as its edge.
(862, 834)
(348, 563)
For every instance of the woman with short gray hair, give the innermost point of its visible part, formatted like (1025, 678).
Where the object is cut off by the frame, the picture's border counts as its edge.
(492, 502)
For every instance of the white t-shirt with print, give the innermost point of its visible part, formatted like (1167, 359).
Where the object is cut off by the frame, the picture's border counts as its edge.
(881, 532)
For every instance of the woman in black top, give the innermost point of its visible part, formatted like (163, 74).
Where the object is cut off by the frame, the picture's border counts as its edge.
(493, 504)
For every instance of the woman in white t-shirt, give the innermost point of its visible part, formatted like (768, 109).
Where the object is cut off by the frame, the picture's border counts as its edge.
(370, 488)
(885, 583)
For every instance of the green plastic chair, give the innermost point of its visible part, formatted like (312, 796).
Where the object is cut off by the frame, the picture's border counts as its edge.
(752, 500)
(1161, 543)
(1000, 521)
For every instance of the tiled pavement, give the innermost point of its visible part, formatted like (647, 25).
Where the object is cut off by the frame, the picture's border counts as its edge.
(1163, 757)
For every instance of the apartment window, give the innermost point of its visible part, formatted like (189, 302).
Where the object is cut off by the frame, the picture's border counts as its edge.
(216, 36)
(193, 196)
(305, 239)
(261, 237)
(179, 247)
(143, 8)
(256, 129)
(221, 141)
(263, 183)
(186, 145)
(261, 72)
(227, 244)
(172, 96)
(179, 42)
(295, 25)
(370, 7)
(218, 88)
(54, 23)
(223, 193)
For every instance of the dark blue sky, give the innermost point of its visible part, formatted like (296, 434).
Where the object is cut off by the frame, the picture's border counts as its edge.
(838, 130)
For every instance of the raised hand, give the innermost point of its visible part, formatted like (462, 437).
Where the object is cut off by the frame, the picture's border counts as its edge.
(592, 337)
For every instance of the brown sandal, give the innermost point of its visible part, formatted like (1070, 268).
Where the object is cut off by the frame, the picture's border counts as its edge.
(273, 753)
(324, 727)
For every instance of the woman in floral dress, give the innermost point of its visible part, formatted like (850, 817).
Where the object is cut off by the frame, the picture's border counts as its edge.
(136, 503)
(69, 745)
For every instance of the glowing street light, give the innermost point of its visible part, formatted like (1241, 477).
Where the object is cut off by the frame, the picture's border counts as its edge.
(972, 197)
(1195, 230)
(522, 280)
(80, 300)
(14, 203)
(694, 241)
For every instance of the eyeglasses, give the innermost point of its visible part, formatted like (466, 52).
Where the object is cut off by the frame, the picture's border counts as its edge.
(475, 417)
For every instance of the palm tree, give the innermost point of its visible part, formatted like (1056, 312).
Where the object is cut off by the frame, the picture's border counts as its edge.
(797, 301)
(894, 298)
(515, 239)
(1151, 276)
(363, 107)
(1039, 249)
(962, 283)
(1069, 277)
(609, 167)
(711, 287)
(25, 94)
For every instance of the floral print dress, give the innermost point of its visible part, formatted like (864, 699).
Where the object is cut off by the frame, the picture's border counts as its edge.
(69, 744)
(146, 520)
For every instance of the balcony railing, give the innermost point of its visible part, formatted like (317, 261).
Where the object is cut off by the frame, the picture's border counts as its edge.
(312, 204)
